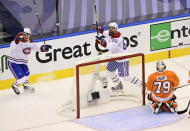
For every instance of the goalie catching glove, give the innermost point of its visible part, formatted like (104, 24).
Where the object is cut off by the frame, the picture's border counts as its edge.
(101, 41)
(45, 48)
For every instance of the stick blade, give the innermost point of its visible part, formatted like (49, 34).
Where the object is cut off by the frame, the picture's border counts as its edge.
(181, 112)
(185, 110)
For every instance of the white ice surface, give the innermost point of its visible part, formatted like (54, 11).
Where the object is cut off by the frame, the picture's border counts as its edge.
(38, 111)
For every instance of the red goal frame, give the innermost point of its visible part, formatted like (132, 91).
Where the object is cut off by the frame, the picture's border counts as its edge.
(102, 61)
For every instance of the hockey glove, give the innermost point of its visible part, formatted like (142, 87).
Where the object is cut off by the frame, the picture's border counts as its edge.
(101, 41)
(19, 36)
(149, 97)
(98, 28)
(45, 48)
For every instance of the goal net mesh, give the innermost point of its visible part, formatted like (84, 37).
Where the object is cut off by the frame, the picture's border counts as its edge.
(92, 91)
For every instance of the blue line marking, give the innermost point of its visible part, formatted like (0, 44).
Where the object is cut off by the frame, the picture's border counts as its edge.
(138, 118)
(4, 46)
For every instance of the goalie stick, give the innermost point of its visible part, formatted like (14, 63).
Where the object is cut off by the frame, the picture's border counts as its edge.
(181, 86)
(185, 110)
(37, 14)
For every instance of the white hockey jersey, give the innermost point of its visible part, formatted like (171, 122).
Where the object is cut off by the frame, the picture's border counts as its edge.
(19, 52)
(115, 43)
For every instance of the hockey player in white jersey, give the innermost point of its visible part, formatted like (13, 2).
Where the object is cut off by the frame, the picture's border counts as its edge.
(20, 48)
(115, 44)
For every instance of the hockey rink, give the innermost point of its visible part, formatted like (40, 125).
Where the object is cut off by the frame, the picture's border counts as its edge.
(39, 111)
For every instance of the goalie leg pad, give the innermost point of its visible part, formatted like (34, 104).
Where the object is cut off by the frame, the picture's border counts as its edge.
(156, 107)
(171, 107)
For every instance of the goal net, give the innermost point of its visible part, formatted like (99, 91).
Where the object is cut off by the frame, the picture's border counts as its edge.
(106, 79)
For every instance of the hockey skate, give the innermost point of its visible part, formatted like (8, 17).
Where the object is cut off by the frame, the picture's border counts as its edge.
(16, 90)
(117, 90)
(29, 89)
(119, 87)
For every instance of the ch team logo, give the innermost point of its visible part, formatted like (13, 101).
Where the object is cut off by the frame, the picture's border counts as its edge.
(4, 63)
(160, 36)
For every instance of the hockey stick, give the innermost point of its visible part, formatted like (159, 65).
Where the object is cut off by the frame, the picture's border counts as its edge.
(96, 16)
(185, 110)
(181, 86)
(37, 14)
(97, 68)
(4, 63)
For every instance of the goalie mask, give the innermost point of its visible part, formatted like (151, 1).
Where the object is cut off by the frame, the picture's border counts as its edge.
(160, 66)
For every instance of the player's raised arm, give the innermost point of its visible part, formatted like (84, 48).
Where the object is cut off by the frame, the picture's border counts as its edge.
(20, 48)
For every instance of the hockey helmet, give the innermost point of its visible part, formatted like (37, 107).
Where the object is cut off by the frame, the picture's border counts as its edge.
(27, 31)
(160, 66)
(113, 24)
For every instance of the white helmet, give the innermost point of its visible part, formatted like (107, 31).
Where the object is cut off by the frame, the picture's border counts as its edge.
(160, 66)
(113, 24)
(27, 31)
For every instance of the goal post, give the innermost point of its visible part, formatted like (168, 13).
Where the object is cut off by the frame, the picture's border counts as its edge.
(104, 59)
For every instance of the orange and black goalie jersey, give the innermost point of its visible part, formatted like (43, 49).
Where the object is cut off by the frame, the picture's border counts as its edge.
(161, 85)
